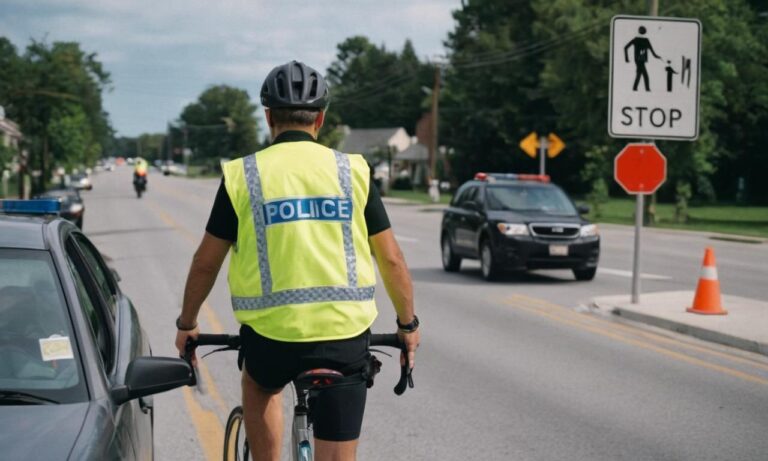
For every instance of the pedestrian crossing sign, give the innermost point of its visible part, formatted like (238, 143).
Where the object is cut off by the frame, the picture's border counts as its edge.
(655, 67)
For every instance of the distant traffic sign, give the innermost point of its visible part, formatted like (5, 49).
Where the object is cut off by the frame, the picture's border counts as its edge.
(530, 144)
(640, 168)
(555, 145)
(654, 78)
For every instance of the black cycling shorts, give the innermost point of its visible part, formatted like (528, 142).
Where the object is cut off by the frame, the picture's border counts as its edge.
(337, 412)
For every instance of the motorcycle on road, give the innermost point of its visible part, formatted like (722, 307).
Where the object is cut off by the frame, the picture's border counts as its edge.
(140, 183)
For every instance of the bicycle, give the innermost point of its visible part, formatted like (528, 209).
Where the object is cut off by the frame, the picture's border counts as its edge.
(305, 386)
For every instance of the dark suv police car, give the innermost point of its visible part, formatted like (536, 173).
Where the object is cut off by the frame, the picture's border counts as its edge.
(515, 223)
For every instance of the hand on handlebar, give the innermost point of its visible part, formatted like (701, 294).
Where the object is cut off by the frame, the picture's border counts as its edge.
(411, 341)
(182, 336)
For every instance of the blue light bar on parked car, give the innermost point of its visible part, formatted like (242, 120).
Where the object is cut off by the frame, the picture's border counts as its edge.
(38, 207)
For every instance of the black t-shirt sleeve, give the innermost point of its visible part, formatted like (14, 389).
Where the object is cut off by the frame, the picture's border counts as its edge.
(223, 220)
(376, 218)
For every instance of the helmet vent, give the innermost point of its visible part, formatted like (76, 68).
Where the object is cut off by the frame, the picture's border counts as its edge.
(280, 86)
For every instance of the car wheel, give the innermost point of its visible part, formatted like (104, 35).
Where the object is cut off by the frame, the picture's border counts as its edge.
(451, 262)
(585, 274)
(488, 265)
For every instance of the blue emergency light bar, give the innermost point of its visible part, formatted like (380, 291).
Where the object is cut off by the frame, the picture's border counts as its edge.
(36, 207)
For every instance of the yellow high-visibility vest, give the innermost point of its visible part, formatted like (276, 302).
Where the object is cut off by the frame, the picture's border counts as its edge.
(301, 269)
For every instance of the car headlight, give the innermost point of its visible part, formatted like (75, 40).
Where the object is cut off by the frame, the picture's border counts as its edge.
(512, 229)
(590, 230)
(76, 208)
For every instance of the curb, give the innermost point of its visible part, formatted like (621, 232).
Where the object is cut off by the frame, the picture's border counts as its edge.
(697, 332)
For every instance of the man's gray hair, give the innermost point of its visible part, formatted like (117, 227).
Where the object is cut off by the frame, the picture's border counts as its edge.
(288, 116)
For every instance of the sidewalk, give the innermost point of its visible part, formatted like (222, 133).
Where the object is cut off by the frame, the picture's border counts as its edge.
(744, 327)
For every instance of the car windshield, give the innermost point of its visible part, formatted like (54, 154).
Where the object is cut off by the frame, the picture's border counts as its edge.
(38, 354)
(514, 197)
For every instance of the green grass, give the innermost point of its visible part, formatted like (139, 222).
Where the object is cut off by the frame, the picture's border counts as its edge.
(751, 221)
(419, 196)
(726, 219)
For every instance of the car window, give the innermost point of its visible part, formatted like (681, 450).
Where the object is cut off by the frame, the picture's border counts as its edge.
(550, 200)
(101, 273)
(38, 351)
(459, 196)
(467, 195)
(90, 304)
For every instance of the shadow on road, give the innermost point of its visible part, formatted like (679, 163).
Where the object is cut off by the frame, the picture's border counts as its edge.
(473, 277)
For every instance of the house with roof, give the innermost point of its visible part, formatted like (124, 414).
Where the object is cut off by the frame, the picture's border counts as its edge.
(10, 135)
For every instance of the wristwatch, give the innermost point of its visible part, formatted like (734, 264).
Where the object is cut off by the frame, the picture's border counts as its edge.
(181, 327)
(408, 327)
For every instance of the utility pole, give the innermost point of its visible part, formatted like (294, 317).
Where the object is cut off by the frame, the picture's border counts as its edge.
(434, 183)
(649, 210)
(434, 141)
(169, 155)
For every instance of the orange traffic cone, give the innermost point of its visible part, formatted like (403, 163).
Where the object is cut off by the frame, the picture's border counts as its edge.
(707, 298)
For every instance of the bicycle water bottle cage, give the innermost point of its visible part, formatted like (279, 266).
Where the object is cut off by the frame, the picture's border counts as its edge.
(318, 377)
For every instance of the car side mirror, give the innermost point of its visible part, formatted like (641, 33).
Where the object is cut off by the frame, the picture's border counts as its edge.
(152, 375)
(471, 205)
(582, 209)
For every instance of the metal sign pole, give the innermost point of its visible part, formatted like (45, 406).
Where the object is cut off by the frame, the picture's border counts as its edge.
(636, 260)
(542, 153)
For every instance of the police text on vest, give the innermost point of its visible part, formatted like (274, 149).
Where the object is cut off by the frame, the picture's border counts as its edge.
(308, 208)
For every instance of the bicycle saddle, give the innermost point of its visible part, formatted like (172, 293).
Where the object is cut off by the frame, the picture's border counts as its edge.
(318, 377)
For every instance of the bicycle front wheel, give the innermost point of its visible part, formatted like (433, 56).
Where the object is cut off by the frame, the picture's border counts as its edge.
(235, 443)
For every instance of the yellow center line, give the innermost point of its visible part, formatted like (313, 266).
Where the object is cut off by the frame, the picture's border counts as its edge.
(644, 345)
(647, 334)
(209, 429)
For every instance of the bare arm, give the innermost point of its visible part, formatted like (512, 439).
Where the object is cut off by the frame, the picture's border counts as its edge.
(202, 275)
(397, 281)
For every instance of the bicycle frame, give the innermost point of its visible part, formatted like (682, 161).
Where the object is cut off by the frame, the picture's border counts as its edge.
(301, 447)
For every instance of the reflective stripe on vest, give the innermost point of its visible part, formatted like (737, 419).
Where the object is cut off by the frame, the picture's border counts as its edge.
(262, 213)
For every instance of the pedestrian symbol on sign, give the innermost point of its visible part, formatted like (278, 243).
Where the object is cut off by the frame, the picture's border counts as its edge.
(641, 47)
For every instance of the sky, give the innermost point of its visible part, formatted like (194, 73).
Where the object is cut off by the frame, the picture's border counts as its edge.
(162, 54)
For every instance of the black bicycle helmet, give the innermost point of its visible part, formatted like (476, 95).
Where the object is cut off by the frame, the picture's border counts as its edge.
(294, 85)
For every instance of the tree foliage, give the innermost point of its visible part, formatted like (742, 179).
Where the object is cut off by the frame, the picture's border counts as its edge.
(54, 91)
(220, 124)
(542, 65)
(372, 87)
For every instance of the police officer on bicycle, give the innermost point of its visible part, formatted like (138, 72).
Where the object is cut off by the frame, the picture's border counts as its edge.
(301, 221)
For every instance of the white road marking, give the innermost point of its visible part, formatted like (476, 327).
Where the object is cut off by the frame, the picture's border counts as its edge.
(621, 273)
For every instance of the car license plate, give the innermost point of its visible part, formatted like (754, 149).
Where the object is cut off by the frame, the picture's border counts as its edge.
(558, 250)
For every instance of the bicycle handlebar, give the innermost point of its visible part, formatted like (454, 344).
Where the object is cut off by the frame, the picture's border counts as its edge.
(233, 342)
(406, 373)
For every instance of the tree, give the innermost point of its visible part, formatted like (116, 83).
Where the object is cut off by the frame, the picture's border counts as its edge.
(492, 97)
(220, 124)
(373, 88)
(54, 92)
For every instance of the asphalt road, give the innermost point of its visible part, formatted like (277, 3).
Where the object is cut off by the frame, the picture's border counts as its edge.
(517, 369)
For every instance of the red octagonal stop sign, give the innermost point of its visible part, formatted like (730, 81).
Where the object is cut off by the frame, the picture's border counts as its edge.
(640, 168)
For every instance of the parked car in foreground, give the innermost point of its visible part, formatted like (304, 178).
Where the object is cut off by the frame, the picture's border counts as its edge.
(515, 223)
(76, 372)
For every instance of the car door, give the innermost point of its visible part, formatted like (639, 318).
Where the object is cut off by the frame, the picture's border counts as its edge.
(466, 222)
(98, 297)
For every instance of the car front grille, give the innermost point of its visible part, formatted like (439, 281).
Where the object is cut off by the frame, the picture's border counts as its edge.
(554, 230)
